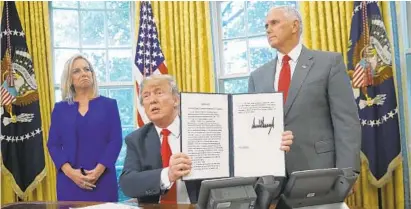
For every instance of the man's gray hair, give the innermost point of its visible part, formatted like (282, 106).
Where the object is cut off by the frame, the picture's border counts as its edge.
(67, 89)
(159, 77)
(292, 11)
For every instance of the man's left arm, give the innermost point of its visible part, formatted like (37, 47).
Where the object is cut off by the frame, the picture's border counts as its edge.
(344, 114)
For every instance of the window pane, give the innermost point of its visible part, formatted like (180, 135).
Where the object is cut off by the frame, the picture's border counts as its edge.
(122, 155)
(64, 4)
(92, 4)
(57, 95)
(118, 27)
(235, 57)
(92, 28)
(65, 28)
(260, 52)
(97, 59)
(238, 85)
(125, 101)
(232, 13)
(121, 196)
(257, 11)
(120, 65)
(60, 58)
(103, 92)
(285, 3)
(118, 5)
(120, 162)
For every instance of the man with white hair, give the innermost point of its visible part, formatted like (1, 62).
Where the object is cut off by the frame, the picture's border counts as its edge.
(319, 106)
(154, 166)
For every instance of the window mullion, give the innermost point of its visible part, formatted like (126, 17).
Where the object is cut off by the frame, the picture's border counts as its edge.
(246, 34)
(133, 47)
(79, 28)
(107, 66)
(218, 43)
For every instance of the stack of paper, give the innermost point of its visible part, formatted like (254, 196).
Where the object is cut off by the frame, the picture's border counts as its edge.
(108, 206)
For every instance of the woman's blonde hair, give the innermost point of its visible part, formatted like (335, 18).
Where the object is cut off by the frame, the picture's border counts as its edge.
(67, 89)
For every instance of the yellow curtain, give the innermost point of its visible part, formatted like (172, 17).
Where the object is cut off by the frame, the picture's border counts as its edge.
(185, 35)
(34, 17)
(327, 27)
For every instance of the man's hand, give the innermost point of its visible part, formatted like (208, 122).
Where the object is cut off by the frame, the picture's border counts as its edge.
(180, 165)
(96, 173)
(286, 141)
(78, 178)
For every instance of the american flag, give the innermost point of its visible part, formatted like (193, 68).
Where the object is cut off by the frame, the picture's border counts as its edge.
(149, 56)
(6, 97)
(362, 75)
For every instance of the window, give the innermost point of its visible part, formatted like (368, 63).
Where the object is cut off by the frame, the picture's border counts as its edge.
(406, 16)
(103, 31)
(240, 43)
(405, 12)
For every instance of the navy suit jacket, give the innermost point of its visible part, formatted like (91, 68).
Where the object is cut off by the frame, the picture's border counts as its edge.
(141, 176)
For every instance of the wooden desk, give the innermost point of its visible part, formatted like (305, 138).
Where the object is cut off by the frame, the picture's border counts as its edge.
(67, 205)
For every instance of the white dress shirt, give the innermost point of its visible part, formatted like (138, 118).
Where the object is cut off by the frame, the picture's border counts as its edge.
(294, 54)
(174, 142)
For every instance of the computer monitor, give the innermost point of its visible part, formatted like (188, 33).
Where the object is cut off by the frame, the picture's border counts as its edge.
(317, 187)
(208, 185)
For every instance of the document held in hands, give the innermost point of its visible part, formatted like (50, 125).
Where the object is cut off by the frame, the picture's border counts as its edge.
(232, 135)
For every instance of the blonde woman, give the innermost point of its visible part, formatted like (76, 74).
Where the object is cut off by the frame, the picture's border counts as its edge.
(85, 137)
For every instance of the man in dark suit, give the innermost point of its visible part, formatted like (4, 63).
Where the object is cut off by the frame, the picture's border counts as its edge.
(153, 165)
(319, 107)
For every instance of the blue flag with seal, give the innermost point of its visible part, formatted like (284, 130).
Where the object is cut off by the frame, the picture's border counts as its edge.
(370, 70)
(21, 137)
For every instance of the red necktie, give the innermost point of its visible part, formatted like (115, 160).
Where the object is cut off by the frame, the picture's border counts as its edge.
(285, 77)
(171, 196)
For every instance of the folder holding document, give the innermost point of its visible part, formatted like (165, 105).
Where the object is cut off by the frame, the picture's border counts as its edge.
(232, 135)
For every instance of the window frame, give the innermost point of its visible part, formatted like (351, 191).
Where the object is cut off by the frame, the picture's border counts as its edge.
(106, 48)
(405, 9)
(108, 85)
(406, 21)
(218, 45)
(217, 35)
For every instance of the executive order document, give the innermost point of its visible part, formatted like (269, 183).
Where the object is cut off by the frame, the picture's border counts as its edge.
(232, 135)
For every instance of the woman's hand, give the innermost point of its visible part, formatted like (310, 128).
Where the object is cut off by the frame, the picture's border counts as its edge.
(96, 173)
(84, 182)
